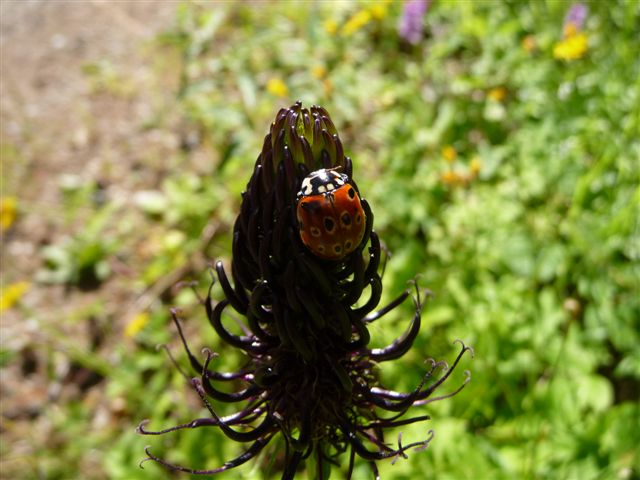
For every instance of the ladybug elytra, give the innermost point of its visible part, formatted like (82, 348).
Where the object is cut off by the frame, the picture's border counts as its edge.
(330, 216)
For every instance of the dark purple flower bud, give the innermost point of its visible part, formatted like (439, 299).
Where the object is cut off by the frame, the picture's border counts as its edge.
(310, 376)
(410, 26)
(576, 16)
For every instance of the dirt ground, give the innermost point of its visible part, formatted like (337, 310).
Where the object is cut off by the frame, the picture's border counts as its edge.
(62, 122)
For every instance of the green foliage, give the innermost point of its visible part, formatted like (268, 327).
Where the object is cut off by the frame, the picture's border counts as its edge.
(82, 258)
(532, 256)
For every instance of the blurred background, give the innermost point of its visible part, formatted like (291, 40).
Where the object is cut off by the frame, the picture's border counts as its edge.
(497, 142)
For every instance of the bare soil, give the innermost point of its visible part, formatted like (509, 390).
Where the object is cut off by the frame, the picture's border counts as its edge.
(83, 90)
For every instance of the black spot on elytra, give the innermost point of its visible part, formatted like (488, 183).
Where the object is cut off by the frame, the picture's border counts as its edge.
(312, 206)
(329, 224)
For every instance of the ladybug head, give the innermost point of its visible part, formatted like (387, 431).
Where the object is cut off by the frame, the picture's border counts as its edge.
(322, 181)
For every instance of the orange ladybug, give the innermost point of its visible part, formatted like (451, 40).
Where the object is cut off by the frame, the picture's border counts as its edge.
(330, 216)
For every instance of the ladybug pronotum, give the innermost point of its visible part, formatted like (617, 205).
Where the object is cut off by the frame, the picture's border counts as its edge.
(330, 216)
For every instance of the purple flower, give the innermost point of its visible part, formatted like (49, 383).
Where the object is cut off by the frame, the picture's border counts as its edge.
(576, 16)
(410, 25)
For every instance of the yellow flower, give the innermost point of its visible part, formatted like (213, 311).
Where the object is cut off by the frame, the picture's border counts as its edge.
(136, 324)
(356, 22)
(378, 10)
(452, 178)
(319, 71)
(475, 166)
(449, 153)
(571, 48)
(529, 43)
(569, 30)
(11, 294)
(497, 94)
(331, 26)
(277, 87)
(8, 212)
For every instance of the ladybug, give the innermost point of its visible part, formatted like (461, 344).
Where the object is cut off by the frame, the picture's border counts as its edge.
(331, 220)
